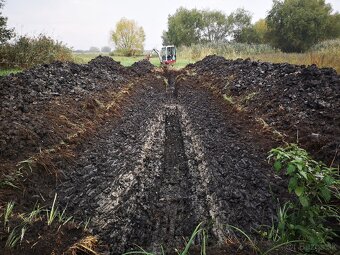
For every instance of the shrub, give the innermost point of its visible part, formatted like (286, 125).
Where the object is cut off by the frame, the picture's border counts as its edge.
(26, 52)
(315, 185)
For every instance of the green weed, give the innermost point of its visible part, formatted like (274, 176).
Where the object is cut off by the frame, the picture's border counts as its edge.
(4, 72)
(53, 212)
(13, 238)
(198, 232)
(7, 214)
(314, 185)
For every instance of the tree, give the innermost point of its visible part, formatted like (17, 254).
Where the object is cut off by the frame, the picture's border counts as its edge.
(296, 25)
(256, 33)
(187, 27)
(94, 49)
(128, 37)
(105, 49)
(165, 38)
(5, 33)
(261, 30)
(241, 24)
(215, 26)
(183, 27)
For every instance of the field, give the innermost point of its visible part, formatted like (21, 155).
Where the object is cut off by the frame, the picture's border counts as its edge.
(326, 54)
(105, 157)
(83, 58)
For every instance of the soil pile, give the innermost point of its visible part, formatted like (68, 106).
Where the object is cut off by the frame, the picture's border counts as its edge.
(27, 96)
(142, 67)
(299, 101)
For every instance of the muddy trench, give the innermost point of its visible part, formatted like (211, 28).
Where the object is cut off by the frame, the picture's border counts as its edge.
(150, 178)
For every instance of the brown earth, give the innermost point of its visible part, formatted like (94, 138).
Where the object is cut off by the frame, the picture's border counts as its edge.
(148, 154)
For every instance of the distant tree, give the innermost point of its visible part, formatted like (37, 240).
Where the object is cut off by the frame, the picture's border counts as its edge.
(296, 25)
(261, 30)
(105, 49)
(5, 33)
(187, 27)
(165, 38)
(94, 49)
(184, 27)
(256, 33)
(128, 37)
(241, 25)
(215, 26)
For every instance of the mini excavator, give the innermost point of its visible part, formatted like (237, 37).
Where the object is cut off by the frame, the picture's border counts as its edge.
(167, 55)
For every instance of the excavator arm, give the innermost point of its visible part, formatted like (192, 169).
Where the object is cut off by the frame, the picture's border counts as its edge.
(159, 55)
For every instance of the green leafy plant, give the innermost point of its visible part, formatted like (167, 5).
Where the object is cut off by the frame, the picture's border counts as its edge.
(314, 185)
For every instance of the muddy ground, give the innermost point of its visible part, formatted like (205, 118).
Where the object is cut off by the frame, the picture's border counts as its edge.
(144, 155)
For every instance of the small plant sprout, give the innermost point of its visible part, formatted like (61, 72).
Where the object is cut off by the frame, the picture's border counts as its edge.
(7, 214)
(62, 217)
(13, 238)
(198, 232)
(52, 214)
(86, 223)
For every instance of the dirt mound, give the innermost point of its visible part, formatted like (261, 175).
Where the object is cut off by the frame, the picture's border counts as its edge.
(25, 97)
(299, 101)
(142, 67)
(106, 63)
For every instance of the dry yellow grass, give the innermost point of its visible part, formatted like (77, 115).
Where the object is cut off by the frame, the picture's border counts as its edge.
(324, 54)
(321, 59)
(86, 245)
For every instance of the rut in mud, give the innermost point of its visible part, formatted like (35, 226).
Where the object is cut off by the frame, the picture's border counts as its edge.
(153, 186)
(155, 153)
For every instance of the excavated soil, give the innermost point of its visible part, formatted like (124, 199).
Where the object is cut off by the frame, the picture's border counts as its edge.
(300, 102)
(147, 154)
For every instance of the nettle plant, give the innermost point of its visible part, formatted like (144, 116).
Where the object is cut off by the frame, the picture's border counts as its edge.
(310, 216)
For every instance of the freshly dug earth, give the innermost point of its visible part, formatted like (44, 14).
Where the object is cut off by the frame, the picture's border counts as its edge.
(45, 113)
(172, 160)
(29, 100)
(146, 155)
(300, 102)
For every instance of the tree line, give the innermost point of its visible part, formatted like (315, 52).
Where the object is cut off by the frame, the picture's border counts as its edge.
(291, 25)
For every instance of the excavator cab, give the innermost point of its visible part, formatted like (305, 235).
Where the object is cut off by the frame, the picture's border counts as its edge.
(167, 55)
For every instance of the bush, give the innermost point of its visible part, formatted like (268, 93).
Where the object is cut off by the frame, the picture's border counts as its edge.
(308, 216)
(26, 52)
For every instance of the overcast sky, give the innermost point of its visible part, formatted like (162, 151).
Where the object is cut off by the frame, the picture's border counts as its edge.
(85, 23)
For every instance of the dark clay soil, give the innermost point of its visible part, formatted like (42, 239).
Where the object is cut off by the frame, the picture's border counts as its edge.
(300, 102)
(171, 154)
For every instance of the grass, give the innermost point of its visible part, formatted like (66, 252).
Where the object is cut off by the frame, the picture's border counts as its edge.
(4, 72)
(198, 232)
(16, 224)
(84, 58)
(86, 245)
(321, 59)
(324, 54)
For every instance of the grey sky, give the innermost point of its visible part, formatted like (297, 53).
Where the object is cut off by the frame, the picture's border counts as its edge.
(84, 23)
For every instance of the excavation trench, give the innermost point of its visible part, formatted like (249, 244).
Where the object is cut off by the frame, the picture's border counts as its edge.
(163, 168)
(143, 187)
